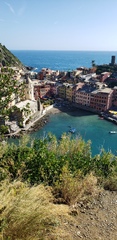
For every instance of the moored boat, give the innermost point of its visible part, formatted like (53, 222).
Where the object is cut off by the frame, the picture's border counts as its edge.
(112, 132)
(72, 130)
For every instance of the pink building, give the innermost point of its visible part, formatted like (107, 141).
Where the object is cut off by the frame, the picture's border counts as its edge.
(101, 99)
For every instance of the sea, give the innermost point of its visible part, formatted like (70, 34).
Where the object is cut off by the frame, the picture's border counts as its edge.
(88, 126)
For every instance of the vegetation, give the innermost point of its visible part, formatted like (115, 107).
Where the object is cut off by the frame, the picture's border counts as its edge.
(29, 213)
(44, 160)
(106, 68)
(9, 89)
(47, 102)
(36, 176)
(93, 63)
(7, 58)
(4, 129)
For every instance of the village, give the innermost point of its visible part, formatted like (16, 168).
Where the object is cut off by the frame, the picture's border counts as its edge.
(82, 88)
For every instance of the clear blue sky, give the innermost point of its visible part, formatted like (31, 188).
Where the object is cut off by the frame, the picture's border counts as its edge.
(58, 24)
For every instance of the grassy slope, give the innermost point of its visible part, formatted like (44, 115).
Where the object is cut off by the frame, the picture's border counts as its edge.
(7, 58)
(30, 213)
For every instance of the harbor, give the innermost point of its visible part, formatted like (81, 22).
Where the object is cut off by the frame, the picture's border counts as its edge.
(87, 125)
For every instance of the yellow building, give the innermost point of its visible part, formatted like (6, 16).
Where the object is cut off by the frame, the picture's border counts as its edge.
(61, 91)
(69, 92)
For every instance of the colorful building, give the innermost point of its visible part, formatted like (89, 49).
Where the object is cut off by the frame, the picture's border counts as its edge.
(101, 99)
(69, 92)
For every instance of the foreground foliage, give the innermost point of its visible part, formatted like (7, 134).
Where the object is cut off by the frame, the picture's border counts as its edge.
(43, 160)
(29, 213)
(36, 176)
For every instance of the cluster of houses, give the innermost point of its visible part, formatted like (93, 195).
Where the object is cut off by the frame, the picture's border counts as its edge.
(82, 88)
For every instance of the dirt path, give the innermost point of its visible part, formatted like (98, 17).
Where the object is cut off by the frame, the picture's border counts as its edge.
(97, 221)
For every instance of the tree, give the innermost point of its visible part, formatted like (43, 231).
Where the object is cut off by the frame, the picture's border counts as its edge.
(9, 89)
(93, 63)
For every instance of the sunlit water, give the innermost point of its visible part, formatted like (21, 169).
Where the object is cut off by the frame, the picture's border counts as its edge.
(63, 60)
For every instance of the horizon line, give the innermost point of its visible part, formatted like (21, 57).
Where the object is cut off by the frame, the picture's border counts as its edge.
(63, 50)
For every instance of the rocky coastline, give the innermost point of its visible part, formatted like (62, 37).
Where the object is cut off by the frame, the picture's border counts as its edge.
(34, 124)
(39, 124)
(43, 119)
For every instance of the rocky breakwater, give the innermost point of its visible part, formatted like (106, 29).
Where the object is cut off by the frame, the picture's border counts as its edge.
(38, 124)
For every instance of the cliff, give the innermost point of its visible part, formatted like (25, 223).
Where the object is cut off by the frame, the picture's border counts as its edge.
(8, 59)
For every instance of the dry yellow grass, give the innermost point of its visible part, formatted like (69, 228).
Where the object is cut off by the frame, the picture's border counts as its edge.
(28, 213)
(73, 189)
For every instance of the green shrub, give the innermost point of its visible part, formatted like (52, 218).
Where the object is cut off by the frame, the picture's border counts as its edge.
(43, 160)
(4, 129)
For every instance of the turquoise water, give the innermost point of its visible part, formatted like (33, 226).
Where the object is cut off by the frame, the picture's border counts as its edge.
(88, 126)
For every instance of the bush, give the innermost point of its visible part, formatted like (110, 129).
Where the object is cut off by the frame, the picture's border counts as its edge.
(43, 160)
(4, 129)
(111, 183)
(72, 189)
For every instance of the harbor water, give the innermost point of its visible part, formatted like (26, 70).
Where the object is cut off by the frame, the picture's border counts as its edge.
(88, 126)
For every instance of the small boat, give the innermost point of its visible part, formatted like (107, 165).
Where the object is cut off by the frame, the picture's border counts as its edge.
(113, 132)
(72, 130)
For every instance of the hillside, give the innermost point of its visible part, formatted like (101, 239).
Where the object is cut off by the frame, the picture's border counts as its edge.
(55, 190)
(8, 59)
(30, 213)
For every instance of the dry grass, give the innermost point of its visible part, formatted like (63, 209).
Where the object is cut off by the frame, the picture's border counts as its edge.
(74, 189)
(111, 183)
(29, 214)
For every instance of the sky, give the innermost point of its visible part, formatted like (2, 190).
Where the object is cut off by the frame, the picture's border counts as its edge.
(59, 24)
